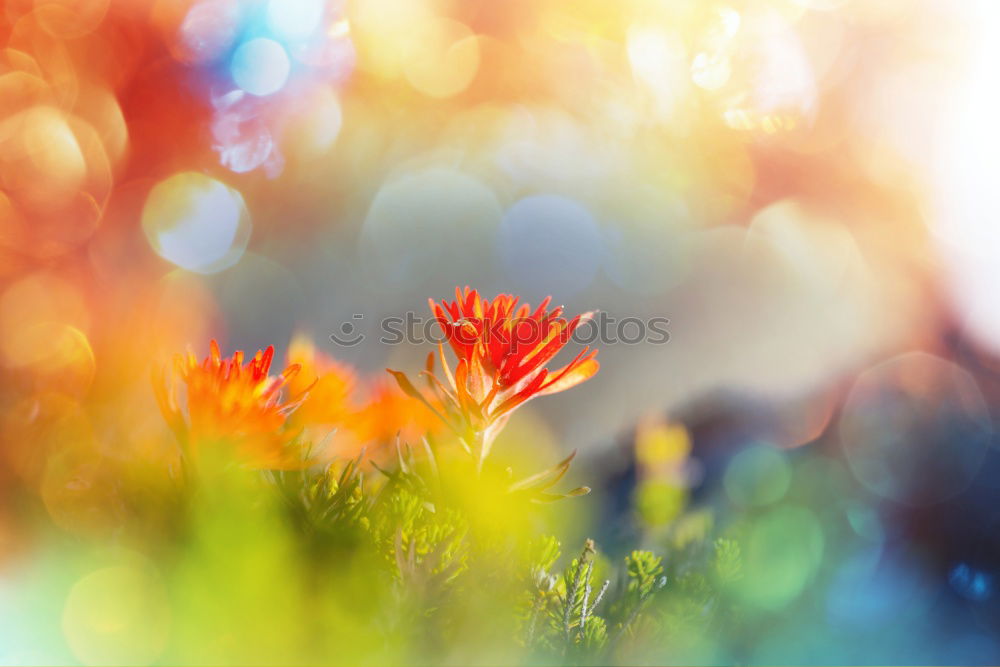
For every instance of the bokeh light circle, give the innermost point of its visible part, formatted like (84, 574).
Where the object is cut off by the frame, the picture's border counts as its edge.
(551, 244)
(649, 239)
(294, 19)
(440, 57)
(70, 19)
(58, 355)
(784, 548)
(207, 32)
(261, 66)
(196, 222)
(45, 165)
(36, 299)
(431, 223)
(865, 521)
(915, 429)
(314, 128)
(758, 475)
(118, 615)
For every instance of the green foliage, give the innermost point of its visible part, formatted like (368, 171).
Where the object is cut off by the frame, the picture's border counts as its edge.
(644, 577)
(544, 552)
(728, 561)
(333, 500)
(561, 610)
(536, 488)
(448, 583)
(644, 570)
(424, 546)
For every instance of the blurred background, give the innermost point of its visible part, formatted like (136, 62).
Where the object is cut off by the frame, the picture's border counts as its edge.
(807, 189)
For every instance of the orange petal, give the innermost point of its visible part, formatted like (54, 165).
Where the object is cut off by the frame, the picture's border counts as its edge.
(468, 404)
(572, 377)
(445, 366)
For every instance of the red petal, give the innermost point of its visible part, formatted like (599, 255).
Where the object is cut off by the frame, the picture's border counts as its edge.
(520, 397)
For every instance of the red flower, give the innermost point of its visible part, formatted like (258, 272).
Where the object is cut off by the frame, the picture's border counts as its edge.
(502, 352)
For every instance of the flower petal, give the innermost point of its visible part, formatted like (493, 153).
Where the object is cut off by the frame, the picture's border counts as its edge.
(571, 377)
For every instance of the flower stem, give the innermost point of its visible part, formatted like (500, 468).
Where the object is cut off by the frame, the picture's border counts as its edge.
(479, 442)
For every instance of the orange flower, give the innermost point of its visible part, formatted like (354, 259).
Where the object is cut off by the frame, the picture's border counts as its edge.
(345, 418)
(329, 383)
(231, 403)
(328, 412)
(502, 352)
(389, 414)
